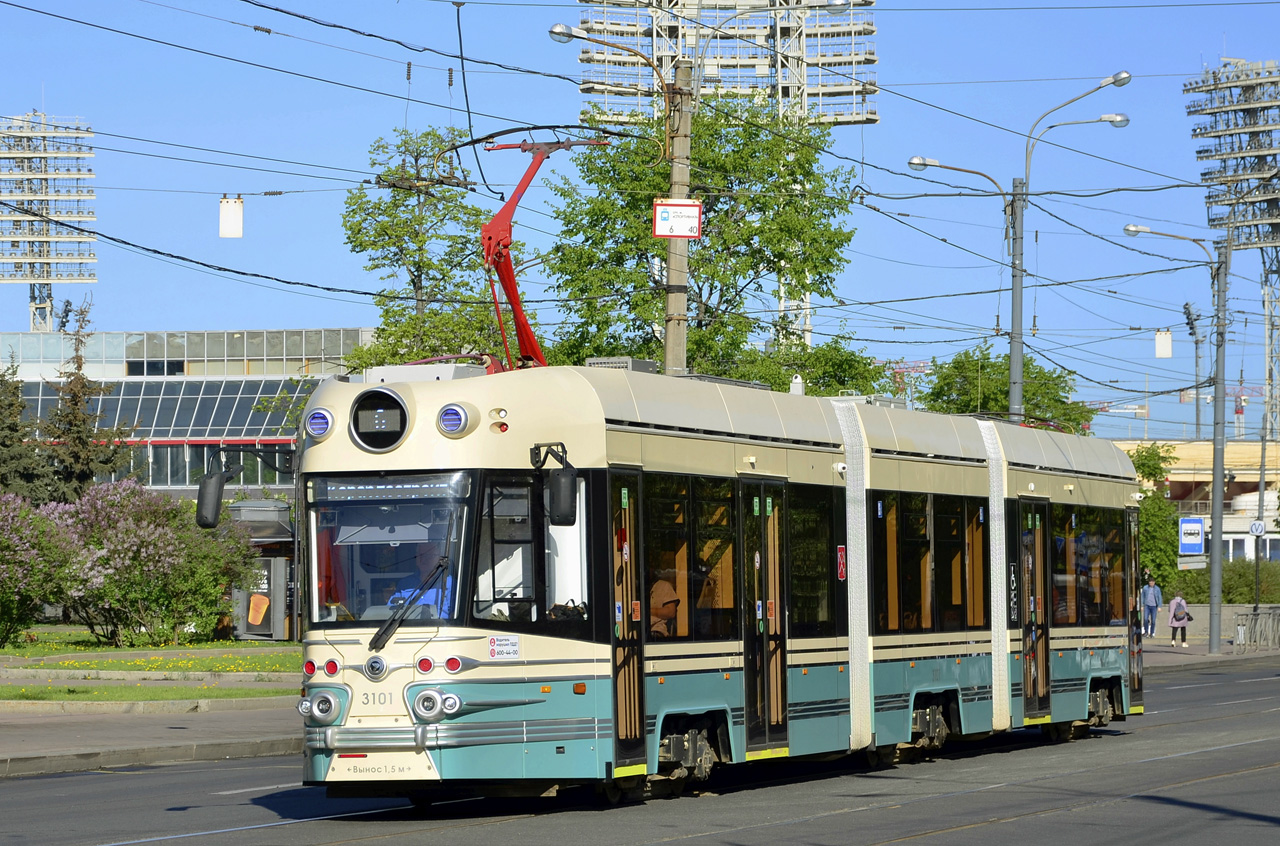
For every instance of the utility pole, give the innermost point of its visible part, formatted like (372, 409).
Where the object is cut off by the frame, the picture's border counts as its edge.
(676, 325)
(1015, 298)
(1221, 274)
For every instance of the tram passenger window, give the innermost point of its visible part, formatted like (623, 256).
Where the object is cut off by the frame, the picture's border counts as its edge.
(978, 596)
(817, 598)
(713, 580)
(884, 562)
(949, 552)
(666, 546)
(916, 573)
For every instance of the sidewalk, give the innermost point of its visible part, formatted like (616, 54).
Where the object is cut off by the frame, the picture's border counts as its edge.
(51, 738)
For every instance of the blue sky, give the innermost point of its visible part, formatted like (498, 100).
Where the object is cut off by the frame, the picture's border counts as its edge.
(961, 84)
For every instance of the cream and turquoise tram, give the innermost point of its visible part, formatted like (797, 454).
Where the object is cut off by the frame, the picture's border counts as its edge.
(553, 577)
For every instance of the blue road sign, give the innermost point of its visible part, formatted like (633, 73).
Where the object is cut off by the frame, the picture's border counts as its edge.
(1191, 536)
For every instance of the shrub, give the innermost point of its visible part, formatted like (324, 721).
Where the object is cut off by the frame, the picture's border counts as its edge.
(1237, 583)
(27, 565)
(142, 572)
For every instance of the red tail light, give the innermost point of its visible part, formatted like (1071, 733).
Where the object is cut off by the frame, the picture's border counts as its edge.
(309, 667)
(331, 667)
(453, 664)
(425, 665)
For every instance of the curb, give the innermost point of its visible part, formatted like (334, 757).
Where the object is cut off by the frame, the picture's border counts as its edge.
(146, 756)
(144, 675)
(168, 706)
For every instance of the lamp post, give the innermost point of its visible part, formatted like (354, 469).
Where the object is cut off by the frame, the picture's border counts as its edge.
(1221, 270)
(678, 114)
(1014, 214)
(1020, 205)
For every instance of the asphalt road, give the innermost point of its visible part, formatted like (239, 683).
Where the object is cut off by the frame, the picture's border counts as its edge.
(1202, 767)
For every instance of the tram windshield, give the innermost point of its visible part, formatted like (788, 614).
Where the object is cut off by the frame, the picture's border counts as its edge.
(381, 543)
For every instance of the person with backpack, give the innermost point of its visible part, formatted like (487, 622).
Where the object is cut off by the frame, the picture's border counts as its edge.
(1152, 599)
(1179, 616)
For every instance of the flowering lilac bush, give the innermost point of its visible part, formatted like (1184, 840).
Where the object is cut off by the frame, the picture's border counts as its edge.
(139, 571)
(27, 567)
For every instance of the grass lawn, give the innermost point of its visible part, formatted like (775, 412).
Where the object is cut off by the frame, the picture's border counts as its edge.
(133, 693)
(63, 646)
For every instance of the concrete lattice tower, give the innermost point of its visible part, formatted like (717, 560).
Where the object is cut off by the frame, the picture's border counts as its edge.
(1240, 103)
(45, 208)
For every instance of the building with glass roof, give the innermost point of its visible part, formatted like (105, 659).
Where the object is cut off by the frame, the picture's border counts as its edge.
(188, 393)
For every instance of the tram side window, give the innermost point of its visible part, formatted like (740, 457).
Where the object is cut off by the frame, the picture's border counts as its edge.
(1088, 565)
(817, 598)
(505, 587)
(886, 615)
(713, 580)
(949, 572)
(928, 562)
(915, 572)
(666, 554)
(566, 564)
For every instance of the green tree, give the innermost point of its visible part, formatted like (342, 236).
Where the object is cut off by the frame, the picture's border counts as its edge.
(81, 451)
(827, 369)
(1157, 515)
(772, 216)
(23, 469)
(424, 238)
(976, 382)
(29, 565)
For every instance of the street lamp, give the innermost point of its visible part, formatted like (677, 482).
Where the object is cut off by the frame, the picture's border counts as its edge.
(919, 163)
(1019, 209)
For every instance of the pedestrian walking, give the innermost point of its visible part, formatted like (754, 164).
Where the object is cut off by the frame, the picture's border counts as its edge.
(1152, 599)
(1179, 616)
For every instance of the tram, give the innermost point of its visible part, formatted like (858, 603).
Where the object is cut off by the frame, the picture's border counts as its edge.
(522, 581)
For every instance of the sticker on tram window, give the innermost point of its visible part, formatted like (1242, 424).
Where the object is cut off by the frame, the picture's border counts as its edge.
(769, 609)
(759, 609)
(755, 504)
(504, 647)
(842, 564)
(768, 506)
(624, 498)
(635, 610)
(617, 612)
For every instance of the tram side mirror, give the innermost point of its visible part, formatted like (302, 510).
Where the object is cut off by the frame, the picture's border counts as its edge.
(562, 485)
(209, 498)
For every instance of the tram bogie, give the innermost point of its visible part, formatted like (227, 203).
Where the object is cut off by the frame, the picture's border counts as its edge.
(529, 581)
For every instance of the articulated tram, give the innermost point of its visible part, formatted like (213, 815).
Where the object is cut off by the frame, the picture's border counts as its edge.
(554, 577)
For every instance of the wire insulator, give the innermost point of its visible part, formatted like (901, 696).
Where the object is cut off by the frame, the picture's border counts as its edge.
(408, 71)
(450, 77)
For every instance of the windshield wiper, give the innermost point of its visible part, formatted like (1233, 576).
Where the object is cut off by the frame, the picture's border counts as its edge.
(393, 622)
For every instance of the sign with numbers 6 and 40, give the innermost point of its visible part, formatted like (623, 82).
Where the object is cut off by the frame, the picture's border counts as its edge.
(677, 219)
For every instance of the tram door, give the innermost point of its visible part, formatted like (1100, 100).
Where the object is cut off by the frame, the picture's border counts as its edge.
(1033, 557)
(764, 616)
(628, 671)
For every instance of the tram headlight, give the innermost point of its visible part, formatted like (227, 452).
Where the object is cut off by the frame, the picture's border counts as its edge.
(427, 705)
(321, 706)
(451, 703)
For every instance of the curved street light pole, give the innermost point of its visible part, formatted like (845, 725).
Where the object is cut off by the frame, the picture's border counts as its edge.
(1019, 209)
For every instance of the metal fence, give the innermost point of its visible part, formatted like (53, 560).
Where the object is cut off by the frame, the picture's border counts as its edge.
(1257, 630)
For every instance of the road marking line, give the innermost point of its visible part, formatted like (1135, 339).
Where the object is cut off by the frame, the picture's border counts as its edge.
(257, 789)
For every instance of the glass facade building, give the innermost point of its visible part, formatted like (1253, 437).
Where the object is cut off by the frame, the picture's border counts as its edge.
(187, 393)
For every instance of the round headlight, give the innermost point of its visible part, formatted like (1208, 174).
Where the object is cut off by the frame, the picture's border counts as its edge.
(379, 420)
(324, 707)
(450, 703)
(319, 422)
(426, 705)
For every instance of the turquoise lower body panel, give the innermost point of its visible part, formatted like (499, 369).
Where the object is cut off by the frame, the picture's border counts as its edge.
(898, 684)
(817, 710)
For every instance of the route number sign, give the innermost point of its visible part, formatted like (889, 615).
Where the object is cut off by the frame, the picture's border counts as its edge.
(677, 219)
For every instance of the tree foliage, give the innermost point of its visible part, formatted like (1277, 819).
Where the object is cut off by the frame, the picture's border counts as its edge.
(424, 239)
(23, 469)
(78, 449)
(772, 215)
(1157, 515)
(976, 382)
(827, 369)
